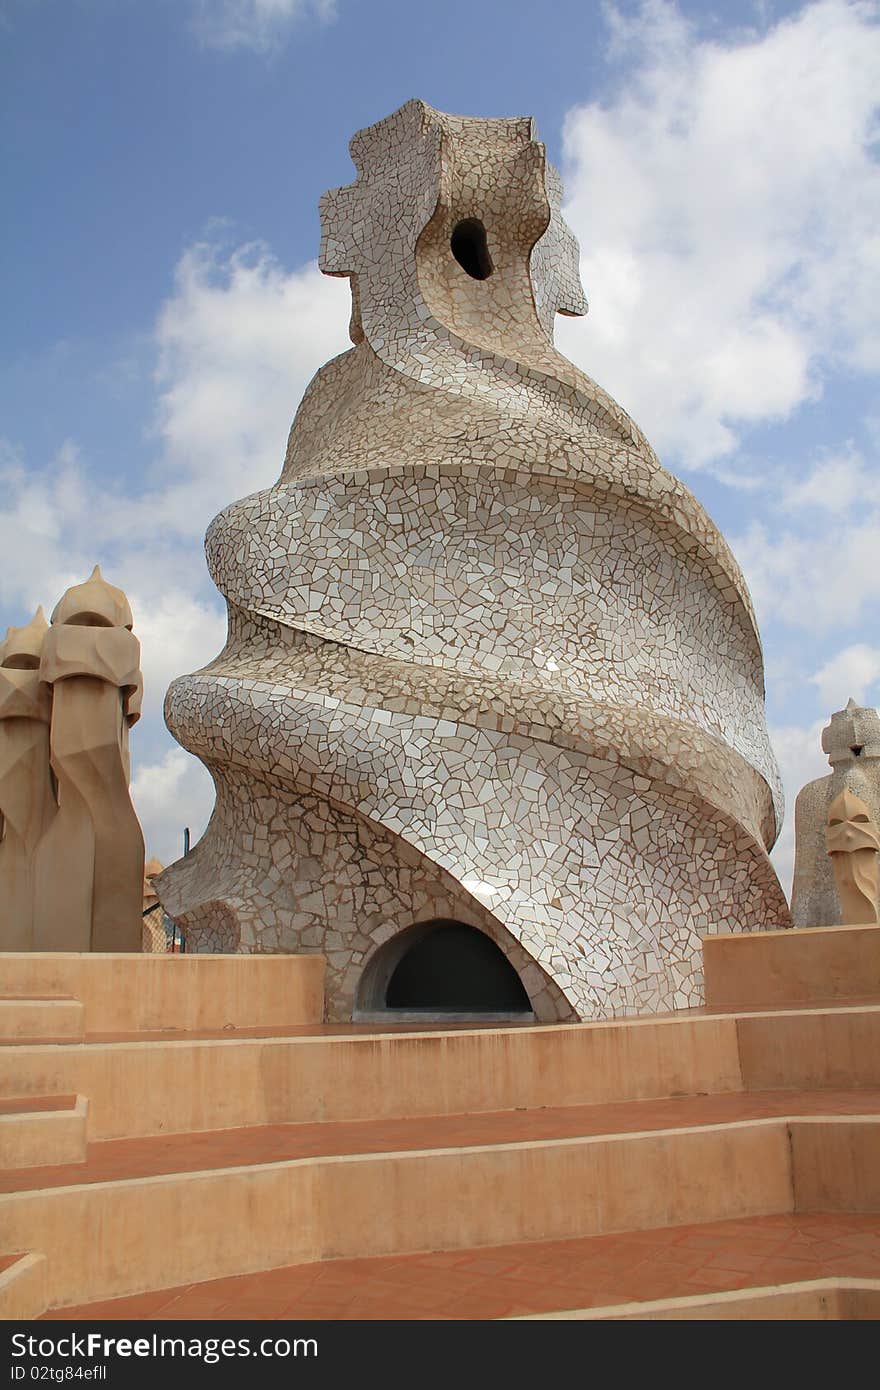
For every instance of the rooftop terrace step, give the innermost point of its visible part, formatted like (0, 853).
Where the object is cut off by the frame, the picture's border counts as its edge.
(42, 1130)
(23, 1286)
(814, 1300)
(601, 1273)
(815, 964)
(236, 1219)
(132, 991)
(17, 1105)
(156, 1084)
(24, 1016)
(115, 1160)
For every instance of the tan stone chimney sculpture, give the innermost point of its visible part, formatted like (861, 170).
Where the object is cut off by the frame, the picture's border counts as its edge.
(488, 662)
(853, 842)
(72, 854)
(27, 801)
(831, 880)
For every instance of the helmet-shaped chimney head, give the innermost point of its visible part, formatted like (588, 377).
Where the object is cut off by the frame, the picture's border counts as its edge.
(852, 736)
(93, 604)
(23, 645)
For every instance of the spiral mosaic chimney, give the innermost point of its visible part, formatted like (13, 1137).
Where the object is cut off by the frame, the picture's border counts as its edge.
(487, 663)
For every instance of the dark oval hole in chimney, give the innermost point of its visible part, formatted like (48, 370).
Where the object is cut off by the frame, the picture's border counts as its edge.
(469, 247)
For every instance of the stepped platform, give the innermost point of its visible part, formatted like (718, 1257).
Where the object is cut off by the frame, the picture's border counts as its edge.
(117, 1160)
(51, 1016)
(601, 1273)
(300, 1164)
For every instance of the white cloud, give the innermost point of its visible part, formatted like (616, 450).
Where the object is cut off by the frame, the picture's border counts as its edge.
(727, 202)
(839, 484)
(44, 513)
(239, 341)
(853, 673)
(810, 560)
(170, 794)
(818, 581)
(178, 634)
(259, 25)
(59, 520)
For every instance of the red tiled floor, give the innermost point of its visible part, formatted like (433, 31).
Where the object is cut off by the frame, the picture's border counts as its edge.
(543, 1276)
(229, 1148)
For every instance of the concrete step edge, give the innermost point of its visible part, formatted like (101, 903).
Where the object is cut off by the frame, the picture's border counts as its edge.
(42, 1138)
(787, 1122)
(24, 1288)
(728, 1303)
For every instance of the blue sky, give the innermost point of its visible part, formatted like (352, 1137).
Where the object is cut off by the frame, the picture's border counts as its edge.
(162, 163)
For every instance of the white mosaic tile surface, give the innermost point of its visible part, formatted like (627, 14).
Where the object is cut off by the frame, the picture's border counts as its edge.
(487, 660)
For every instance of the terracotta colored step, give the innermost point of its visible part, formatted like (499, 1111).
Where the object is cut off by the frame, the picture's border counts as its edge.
(163, 1085)
(185, 1084)
(17, 1105)
(230, 1033)
(781, 967)
(392, 1028)
(40, 1016)
(132, 991)
(38, 1131)
(304, 1030)
(238, 1219)
(791, 1006)
(532, 1278)
(815, 1300)
(23, 1287)
(120, 1159)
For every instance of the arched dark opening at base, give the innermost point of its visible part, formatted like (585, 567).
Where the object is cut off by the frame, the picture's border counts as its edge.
(450, 967)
